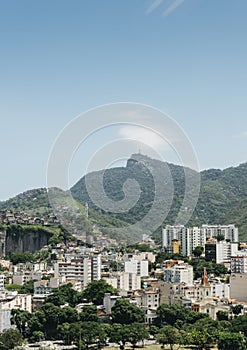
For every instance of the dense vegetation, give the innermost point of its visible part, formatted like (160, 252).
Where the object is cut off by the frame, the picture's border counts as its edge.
(33, 202)
(175, 325)
(222, 200)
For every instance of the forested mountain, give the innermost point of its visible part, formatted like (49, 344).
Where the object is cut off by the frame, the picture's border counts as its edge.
(222, 198)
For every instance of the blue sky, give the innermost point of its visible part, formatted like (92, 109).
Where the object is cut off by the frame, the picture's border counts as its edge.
(60, 58)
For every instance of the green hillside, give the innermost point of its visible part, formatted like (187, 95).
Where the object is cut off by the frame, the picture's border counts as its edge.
(33, 202)
(222, 199)
(36, 203)
(238, 216)
(220, 195)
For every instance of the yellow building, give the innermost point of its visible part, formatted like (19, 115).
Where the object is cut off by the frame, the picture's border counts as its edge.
(176, 247)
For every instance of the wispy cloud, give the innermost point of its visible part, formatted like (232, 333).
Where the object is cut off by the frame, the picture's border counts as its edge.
(172, 7)
(144, 136)
(154, 5)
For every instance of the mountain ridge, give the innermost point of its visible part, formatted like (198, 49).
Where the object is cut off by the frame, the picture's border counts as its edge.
(222, 199)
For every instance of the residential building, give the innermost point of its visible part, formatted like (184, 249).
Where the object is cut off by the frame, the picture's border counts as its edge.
(239, 262)
(221, 251)
(176, 247)
(171, 233)
(1, 283)
(238, 286)
(150, 299)
(81, 268)
(44, 287)
(16, 301)
(191, 237)
(230, 232)
(23, 277)
(219, 289)
(138, 267)
(76, 269)
(125, 281)
(179, 273)
(96, 266)
(140, 256)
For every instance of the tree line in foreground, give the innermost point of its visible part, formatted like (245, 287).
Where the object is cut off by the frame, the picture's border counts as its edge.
(175, 325)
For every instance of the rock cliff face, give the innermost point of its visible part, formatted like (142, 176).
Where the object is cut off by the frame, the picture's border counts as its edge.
(19, 239)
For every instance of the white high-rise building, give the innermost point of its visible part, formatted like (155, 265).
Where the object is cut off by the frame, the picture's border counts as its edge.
(76, 269)
(225, 250)
(219, 289)
(19, 301)
(1, 283)
(239, 262)
(139, 267)
(221, 251)
(170, 233)
(128, 281)
(96, 266)
(191, 237)
(230, 232)
(124, 281)
(81, 268)
(178, 274)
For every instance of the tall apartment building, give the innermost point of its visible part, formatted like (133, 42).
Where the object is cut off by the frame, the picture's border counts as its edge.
(192, 237)
(238, 279)
(125, 281)
(189, 238)
(96, 266)
(239, 262)
(150, 256)
(171, 233)
(139, 267)
(230, 232)
(221, 251)
(83, 269)
(1, 283)
(181, 273)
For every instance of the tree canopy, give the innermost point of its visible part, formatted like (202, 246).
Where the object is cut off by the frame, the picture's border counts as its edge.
(123, 312)
(96, 290)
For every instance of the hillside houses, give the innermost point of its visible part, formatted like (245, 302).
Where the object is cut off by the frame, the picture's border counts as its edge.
(8, 217)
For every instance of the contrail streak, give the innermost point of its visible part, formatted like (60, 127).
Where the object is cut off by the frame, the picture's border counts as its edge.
(155, 4)
(172, 7)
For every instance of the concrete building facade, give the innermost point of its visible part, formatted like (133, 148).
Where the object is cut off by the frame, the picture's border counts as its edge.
(138, 267)
(238, 286)
(179, 274)
(191, 237)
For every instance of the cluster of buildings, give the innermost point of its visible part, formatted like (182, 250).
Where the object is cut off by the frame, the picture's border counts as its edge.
(183, 240)
(136, 276)
(8, 217)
